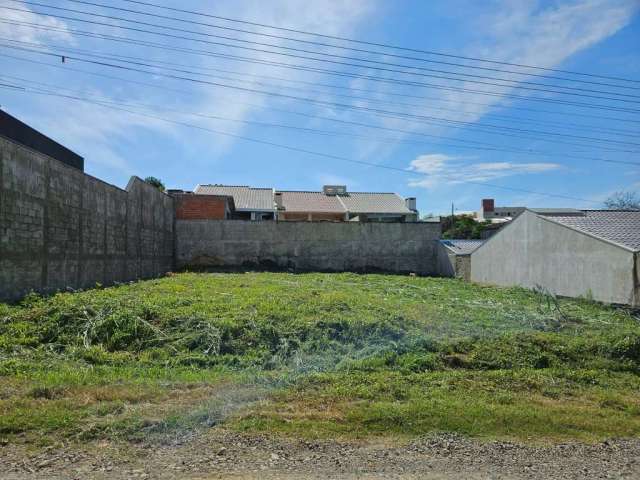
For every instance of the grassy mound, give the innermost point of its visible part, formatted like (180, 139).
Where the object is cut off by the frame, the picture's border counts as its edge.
(317, 355)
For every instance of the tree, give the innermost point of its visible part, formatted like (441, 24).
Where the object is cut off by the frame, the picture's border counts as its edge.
(462, 227)
(155, 182)
(623, 201)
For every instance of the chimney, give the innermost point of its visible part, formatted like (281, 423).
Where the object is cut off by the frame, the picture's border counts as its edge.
(410, 202)
(334, 189)
(488, 205)
(278, 199)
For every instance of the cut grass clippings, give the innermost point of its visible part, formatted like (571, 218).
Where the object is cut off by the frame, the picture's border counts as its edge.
(316, 355)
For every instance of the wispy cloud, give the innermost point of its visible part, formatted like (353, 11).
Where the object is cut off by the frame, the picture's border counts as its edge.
(98, 127)
(26, 34)
(524, 32)
(439, 169)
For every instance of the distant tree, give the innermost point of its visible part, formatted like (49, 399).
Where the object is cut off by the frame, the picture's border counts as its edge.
(462, 227)
(155, 182)
(623, 201)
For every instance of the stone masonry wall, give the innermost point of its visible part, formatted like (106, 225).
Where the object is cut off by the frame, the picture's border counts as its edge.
(308, 246)
(61, 228)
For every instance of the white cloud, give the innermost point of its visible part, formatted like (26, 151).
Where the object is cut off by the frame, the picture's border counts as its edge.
(26, 34)
(516, 31)
(98, 132)
(439, 169)
(330, 17)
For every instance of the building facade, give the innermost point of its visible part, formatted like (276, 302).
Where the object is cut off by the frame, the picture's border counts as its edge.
(592, 254)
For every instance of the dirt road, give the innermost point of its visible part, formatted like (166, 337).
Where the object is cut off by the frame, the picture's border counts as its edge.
(221, 454)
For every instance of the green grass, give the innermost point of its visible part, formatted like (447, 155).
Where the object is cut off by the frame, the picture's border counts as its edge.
(317, 355)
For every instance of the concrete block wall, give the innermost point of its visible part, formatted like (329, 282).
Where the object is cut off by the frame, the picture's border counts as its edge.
(308, 246)
(61, 228)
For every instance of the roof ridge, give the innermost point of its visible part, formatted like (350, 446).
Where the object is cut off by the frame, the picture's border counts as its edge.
(605, 210)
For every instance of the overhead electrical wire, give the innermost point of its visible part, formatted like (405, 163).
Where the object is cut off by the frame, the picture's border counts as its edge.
(327, 155)
(472, 125)
(393, 93)
(326, 60)
(468, 144)
(329, 72)
(341, 47)
(58, 88)
(378, 112)
(378, 44)
(401, 115)
(516, 83)
(117, 57)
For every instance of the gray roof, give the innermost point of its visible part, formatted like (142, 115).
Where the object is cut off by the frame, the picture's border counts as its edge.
(462, 247)
(366, 202)
(352, 202)
(618, 226)
(262, 199)
(244, 197)
(294, 201)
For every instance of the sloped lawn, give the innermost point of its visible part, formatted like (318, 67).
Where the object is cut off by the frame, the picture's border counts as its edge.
(316, 355)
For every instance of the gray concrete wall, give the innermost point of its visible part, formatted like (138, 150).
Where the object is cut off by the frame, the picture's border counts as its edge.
(308, 246)
(534, 251)
(446, 261)
(62, 228)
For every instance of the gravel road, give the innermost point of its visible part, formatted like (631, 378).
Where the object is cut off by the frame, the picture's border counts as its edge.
(220, 453)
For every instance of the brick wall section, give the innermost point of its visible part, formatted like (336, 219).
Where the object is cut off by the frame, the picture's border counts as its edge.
(201, 207)
(60, 227)
(309, 246)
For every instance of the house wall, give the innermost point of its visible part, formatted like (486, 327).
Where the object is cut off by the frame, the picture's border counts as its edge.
(446, 261)
(62, 228)
(535, 251)
(315, 216)
(201, 207)
(308, 246)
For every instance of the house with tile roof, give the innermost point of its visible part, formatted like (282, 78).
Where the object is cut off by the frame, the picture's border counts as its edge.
(250, 203)
(333, 203)
(574, 253)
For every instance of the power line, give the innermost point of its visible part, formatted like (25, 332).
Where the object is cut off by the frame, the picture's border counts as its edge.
(341, 47)
(326, 71)
(377, 112)
(330, 156)
(518, 83)
(474, 144)
(266, 124)
(378, 44)
(119, 57)
(324, 60)
(473, 125)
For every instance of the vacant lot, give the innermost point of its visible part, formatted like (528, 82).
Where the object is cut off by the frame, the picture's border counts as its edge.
(315, 356)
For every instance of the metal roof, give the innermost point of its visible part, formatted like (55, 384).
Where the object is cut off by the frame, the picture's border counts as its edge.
(370, 202)
(618, 226)
(244, 197)
(462, 247)
(293, 201)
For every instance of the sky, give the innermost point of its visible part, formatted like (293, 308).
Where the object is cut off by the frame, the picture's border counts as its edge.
(380, 119)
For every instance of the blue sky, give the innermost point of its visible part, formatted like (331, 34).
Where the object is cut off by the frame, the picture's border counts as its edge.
(600, 37)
